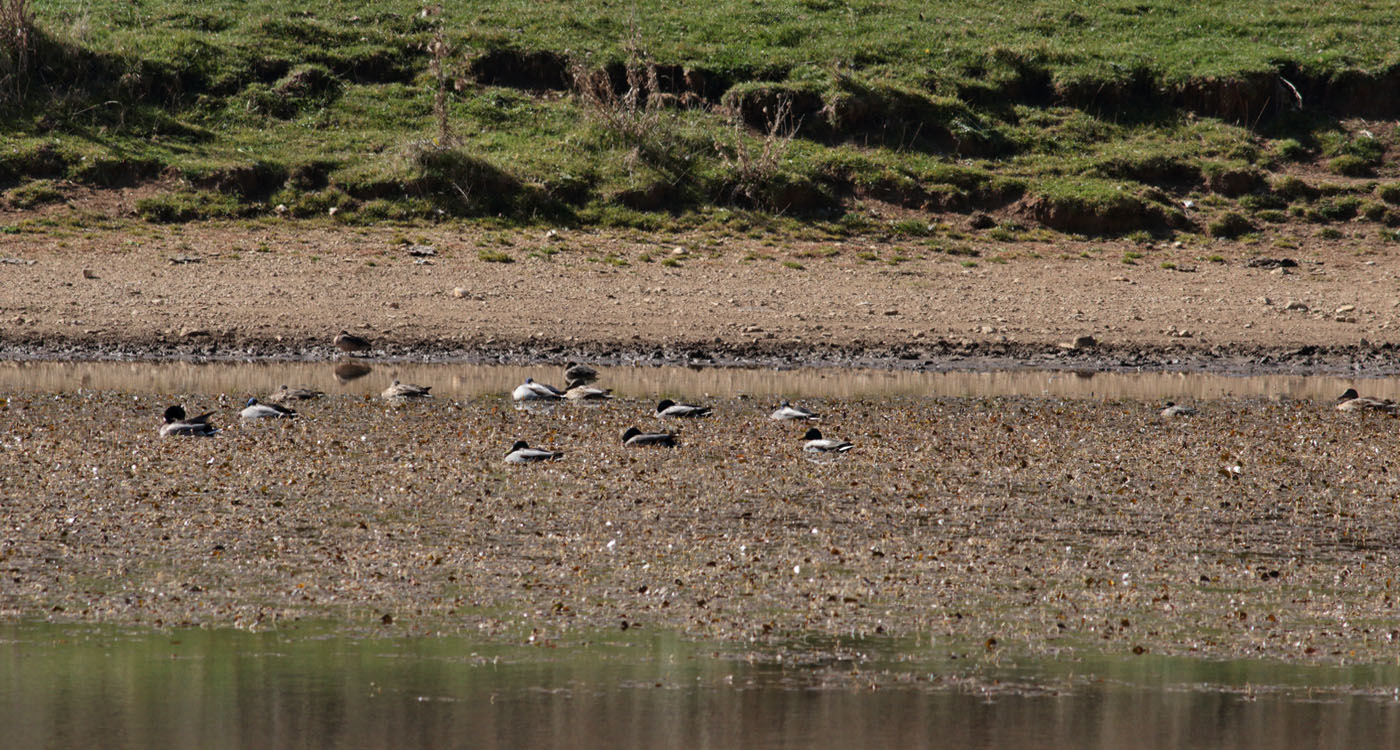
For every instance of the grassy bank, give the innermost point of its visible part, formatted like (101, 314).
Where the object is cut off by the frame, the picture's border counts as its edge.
(1219, 118)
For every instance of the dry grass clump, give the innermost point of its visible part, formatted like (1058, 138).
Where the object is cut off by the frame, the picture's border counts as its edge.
(1256, 528)
(16, 50)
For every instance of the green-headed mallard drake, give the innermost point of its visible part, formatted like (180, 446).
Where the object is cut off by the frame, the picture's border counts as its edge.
(532, 391)
(669, 408)
(815, 443)
(522, 453)
(176, 423)
(786, 412)
(1350, 400)
(636, 437)
(255, 409)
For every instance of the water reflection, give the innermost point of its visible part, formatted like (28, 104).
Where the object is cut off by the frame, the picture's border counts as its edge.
(348, 371)
(80, 686)
(464, 381)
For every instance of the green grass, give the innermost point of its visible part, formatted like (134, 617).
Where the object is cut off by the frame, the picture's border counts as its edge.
(494, 256)
(1100, 117)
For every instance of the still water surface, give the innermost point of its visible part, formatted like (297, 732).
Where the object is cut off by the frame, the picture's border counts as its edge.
(466, 381)
(87, 686)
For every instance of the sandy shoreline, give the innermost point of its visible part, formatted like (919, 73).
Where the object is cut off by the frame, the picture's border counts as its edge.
(213, 291)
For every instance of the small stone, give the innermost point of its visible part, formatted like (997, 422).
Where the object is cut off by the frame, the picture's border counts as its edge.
(678, 251)
(553, 236)
(88, 274)
(988, 329)
(280, 209)
(1265, 301)
(194, 333)
(1294, 304)
(422, 251)
(1344, 309)
(891, 311)
(1080, 342)
(752, 329)
(459, 292)
(1344, 319)
(1280, 272)
(333, 210)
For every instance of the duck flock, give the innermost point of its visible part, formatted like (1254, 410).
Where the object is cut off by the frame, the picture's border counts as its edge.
(579, 379)
(579, 386)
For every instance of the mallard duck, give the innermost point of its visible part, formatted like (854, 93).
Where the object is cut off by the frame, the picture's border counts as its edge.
(787, 412)
(577, 391)
(532, 391)
(634, 436)
(1177, 410)
(577, 373)
(300, 393)
(669, 408)
(405, 391)
(522, 453)
(349, 342)
(1350, 400)
(257, 410)
(815, 443)
(176, 423)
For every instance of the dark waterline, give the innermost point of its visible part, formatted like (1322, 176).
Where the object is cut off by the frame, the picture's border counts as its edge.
(364, 377)
(86, 686)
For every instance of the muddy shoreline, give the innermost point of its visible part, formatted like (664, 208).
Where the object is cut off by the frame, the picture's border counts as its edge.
(1363, 360)
(1031, 525)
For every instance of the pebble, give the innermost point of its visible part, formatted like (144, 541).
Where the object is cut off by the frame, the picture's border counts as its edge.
(88, 274)
(1344, 309)
(1294, 304)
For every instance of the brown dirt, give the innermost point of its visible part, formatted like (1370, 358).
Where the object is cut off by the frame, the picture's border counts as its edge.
(285, 289)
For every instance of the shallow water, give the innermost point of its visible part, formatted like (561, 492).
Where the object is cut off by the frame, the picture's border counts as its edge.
(77, 686)
(463, 381)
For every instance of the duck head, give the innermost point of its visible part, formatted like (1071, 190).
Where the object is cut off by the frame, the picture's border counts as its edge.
(630, 433)
(519, 445)
(665, 404)
(174, 413)
(812, 434)
(1348, 395)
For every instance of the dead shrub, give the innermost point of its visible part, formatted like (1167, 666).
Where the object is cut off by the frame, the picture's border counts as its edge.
(16, 50)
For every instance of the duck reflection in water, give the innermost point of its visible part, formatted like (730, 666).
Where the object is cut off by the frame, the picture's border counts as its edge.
(348, 371)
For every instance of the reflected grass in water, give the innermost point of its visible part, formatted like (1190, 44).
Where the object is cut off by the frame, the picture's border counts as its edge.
(365, 377)
(78, 686)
